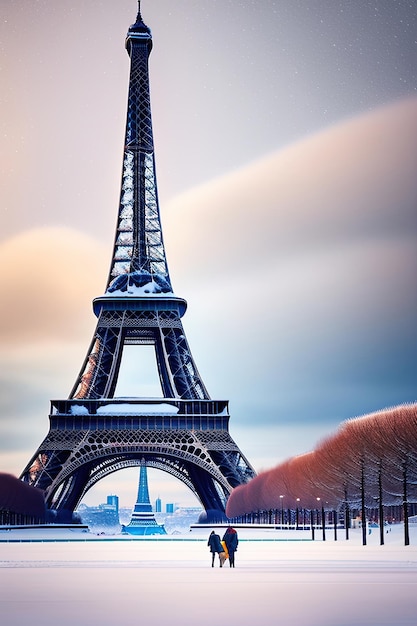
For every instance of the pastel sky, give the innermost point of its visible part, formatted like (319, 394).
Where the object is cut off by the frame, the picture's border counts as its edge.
(286, 154)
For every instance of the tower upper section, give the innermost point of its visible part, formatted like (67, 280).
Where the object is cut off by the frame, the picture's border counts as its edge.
(139, 30)
(139, 267)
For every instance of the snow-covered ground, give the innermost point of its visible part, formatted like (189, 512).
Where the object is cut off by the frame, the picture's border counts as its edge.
(281, 577)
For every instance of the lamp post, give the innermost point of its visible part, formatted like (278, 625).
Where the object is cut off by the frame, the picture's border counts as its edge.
(335, 516)
(296, 515)
(282, 511)
(312, 523)
(323, 520)
(323, 525)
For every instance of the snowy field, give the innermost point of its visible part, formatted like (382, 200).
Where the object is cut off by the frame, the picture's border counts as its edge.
(281, 577)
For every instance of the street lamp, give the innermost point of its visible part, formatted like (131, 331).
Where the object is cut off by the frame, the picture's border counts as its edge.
(312, 523)
(296, 515)
(282, 511)
(323, 521)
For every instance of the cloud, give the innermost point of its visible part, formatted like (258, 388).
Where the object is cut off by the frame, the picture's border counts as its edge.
(301, 268)
(46, 323)
(52, 275)
(354, 181)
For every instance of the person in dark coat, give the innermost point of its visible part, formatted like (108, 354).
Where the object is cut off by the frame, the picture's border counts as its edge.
(231, 540)
(215, 545)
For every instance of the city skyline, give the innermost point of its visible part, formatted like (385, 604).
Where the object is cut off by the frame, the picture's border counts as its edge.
(285, 149)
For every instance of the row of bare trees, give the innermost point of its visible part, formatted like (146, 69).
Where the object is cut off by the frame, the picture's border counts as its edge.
(370, 462)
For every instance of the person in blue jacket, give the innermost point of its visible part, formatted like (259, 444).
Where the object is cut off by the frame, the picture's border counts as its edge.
(231, 540)
(215, 546)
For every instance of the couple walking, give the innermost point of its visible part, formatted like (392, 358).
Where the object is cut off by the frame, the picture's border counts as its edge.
(224, 548)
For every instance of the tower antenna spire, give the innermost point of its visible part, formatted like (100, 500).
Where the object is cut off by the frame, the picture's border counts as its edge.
(139, 17)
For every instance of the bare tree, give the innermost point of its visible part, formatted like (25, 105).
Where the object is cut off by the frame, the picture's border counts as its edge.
(369, 460)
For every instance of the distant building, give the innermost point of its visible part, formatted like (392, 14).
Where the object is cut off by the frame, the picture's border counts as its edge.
(170, 507)
(113, 501)
(103, 516)
(158, 505)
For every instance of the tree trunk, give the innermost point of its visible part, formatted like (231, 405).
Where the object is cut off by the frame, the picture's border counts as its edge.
(405, 506)
(380, 506)
(347, 516)
(363, 510)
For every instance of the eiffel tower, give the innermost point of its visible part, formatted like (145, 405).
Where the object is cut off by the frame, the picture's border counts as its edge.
(143, 520)
(94, 432)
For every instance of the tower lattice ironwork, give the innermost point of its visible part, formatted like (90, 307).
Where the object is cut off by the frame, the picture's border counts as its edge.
(184, 432)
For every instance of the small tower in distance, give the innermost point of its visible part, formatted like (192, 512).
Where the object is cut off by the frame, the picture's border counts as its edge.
(143, 520)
